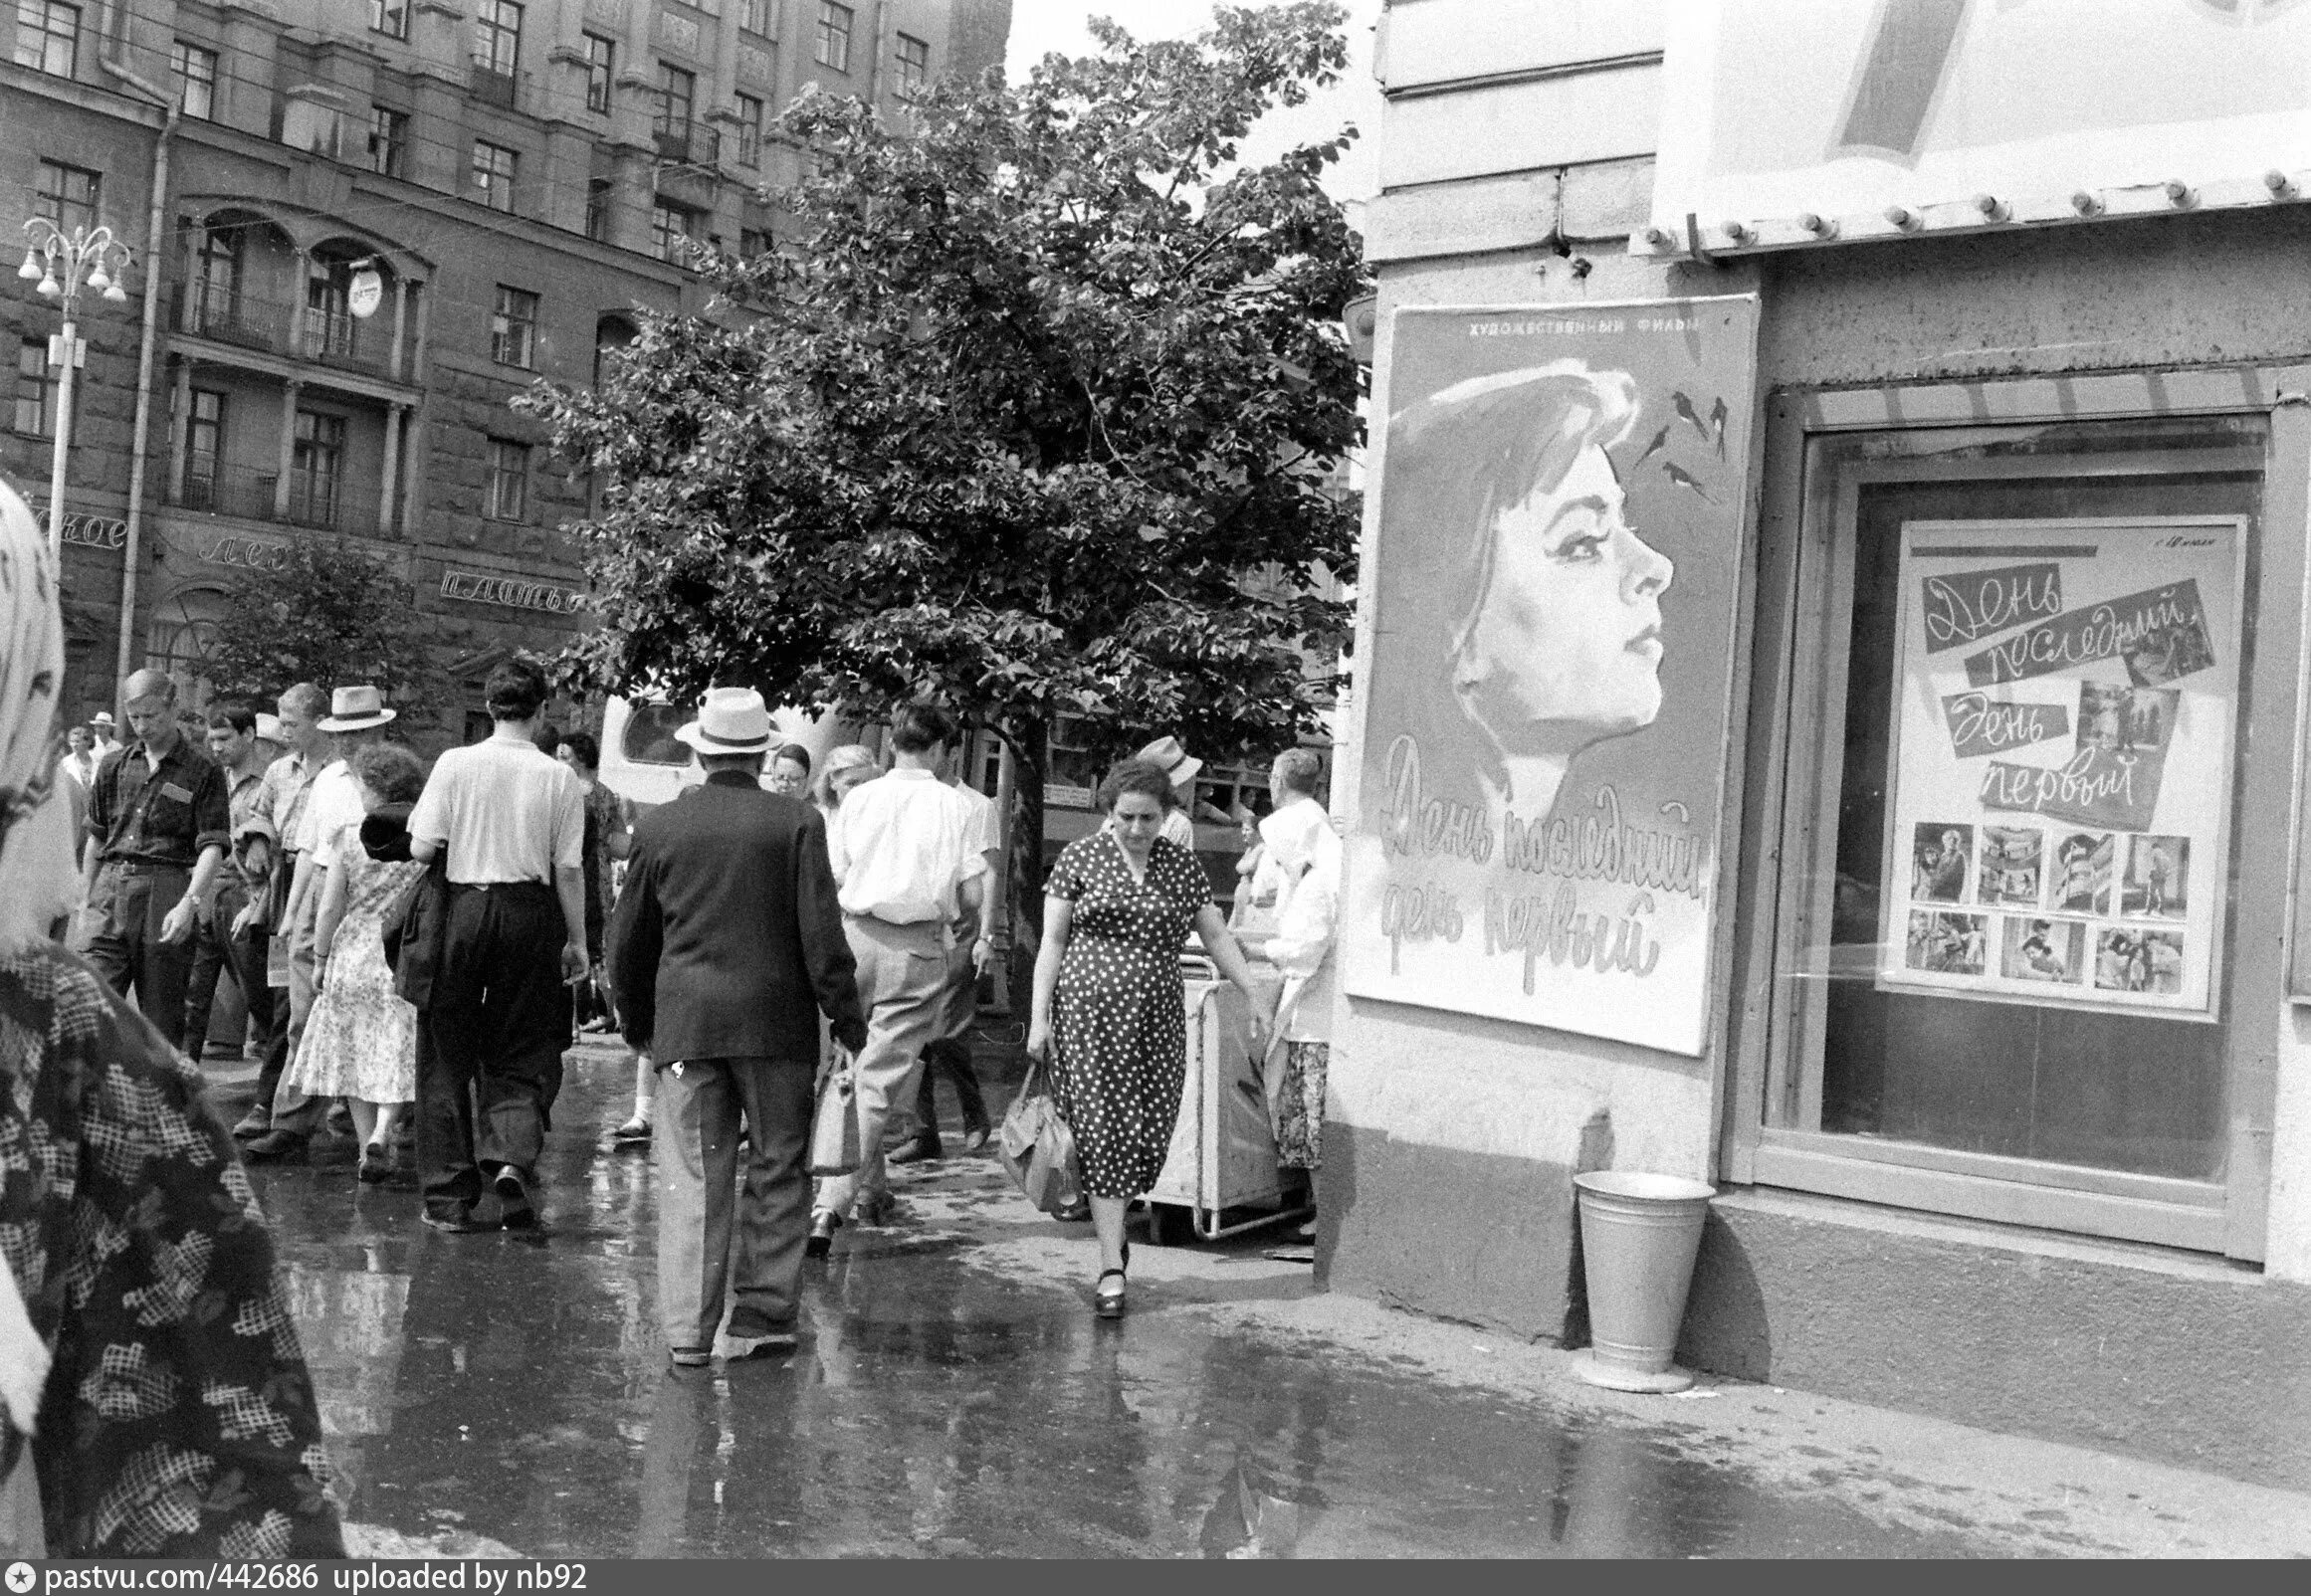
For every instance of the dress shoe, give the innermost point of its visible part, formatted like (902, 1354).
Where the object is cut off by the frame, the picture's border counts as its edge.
(253, 1124)
(976, 1133)
(823, 1225)
(1108, 1295)
(376, 1165)
(690, 1357)
(875, 1208)
(634, 1133)
(456, 1222)
(514, 1211)
(753, 1335)
(273, 1146)
(921, 1147)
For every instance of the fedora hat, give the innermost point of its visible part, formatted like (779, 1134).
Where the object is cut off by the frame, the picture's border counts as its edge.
(102, 717)
(358, 708)
(731, 721)
(1166, 755)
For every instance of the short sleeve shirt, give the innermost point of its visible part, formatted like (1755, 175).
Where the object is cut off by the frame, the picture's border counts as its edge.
(331, 809)
(505, 812)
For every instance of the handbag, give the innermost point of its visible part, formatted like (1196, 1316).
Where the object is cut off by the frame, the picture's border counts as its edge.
(834, 1121)
(1038, 1148)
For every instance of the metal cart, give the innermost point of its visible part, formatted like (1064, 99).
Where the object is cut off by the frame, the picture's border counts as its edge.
(1223, 1152)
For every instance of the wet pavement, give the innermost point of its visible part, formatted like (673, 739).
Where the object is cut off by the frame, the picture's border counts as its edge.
(954, 1396)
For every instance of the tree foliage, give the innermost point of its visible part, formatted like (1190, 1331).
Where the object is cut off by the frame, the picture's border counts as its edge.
(327, 614)
(1035, 407)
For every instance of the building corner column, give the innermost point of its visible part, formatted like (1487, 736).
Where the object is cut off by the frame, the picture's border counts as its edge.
(288, 455)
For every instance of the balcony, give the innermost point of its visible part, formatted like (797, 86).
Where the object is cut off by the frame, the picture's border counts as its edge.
(320, 333)
(248, 494)
(490, 86)
(688, 144)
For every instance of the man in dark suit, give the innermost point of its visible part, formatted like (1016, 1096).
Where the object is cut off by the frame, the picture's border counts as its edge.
(726, 946)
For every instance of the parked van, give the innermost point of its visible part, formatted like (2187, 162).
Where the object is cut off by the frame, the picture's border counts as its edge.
(644, 762)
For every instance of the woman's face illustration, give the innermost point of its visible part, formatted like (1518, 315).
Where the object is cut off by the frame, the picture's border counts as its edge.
(1568, 634)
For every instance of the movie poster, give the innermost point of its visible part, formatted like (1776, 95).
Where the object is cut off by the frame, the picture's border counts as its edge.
(2066, 695)
(1561, 498)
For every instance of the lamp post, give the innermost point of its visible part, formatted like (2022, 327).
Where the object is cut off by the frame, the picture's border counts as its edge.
(87, 256)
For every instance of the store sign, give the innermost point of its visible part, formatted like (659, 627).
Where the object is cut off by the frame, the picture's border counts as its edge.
(1544, 749)
(248, 553)
(511, 592)
(2065, 699)
(89, 531)
(1803, 120)
(366, 294)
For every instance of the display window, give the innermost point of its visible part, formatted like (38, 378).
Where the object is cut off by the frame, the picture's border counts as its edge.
(2017, 843)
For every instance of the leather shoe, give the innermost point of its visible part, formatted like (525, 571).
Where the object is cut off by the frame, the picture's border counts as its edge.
(976, 1133)
(376, 1165)
(273, 1146)
(632, 1132)
(458, 1222)
(514, 1209)
(918, 1149)
(253, 1124)
(823, 1225)
(876, 1207)
(690, 1357)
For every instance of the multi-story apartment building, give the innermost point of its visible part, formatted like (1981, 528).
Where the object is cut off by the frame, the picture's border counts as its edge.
(377, 220)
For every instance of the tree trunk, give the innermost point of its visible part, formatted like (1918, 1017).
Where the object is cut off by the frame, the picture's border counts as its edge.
(1029, 740)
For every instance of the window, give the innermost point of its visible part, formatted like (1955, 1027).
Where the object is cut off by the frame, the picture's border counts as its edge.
(314, 467)
(498, 36)
(601, 62)
(390, 18)
(48, 36)
(328, 311)
(67, 195)
(513, 329)
(204, 446)
(914, 66)
(494, 174)
(758, 16)
(598, 208)
(677, 93)
(216, 278)
(509, 479)
(669, 232)
(750, 131)
(36, 390)
(833, 48)
(753, 241)
(389, 142)
(196, 79)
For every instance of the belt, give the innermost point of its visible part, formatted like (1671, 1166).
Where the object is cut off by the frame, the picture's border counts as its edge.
(495, 886)
(146, 867)
(932, 924)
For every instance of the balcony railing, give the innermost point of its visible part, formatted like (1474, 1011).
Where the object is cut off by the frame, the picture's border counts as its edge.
(492, 87)
(250, 493)
(319, 333)
(688, 144)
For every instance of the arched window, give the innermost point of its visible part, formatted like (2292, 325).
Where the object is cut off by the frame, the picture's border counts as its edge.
(183, 641)
(610, 332)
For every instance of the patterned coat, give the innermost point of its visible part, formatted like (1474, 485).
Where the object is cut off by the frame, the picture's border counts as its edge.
(178, 1419)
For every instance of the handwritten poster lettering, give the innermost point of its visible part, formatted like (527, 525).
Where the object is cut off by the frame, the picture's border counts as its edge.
(1559, 499)
(2049, 842)
(1980, 723)
(1965, 607)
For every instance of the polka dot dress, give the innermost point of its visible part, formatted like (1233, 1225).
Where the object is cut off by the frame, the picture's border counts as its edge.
(1120, 1028)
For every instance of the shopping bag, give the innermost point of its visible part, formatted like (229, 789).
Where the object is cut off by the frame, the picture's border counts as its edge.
(1038, 1149)
(834, 1121)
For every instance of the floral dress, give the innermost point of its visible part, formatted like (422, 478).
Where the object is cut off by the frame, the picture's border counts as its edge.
(1119, 1023)
(362, 1039)
(178, 1419)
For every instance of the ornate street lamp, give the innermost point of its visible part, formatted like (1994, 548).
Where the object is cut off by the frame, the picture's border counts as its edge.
(64, 263)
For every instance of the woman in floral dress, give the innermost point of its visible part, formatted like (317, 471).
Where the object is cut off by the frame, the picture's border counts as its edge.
(1109, 1011)
(361, 1040)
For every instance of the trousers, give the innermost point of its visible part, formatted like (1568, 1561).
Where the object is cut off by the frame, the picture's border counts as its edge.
(498, 1023)
(217, 950)
(289, 1108)
(715, 1238)
(902, 976)
(948, 1054)
(129, 903)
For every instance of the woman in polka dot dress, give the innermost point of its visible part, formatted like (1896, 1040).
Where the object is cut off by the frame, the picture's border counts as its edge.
(1108, 1010)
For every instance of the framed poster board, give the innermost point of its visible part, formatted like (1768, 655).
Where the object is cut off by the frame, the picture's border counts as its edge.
(2065, 716)
(1551, 602)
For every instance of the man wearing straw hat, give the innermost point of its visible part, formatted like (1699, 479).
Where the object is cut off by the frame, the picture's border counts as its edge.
(726, 944)
(511, 823)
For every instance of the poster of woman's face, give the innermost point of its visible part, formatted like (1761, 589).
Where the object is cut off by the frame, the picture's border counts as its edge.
(1546, 664)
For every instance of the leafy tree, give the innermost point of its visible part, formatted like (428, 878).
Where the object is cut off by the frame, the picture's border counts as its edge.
(325, 613)
(1034, 409)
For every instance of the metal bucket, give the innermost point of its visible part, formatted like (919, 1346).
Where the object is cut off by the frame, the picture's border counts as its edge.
(1639, 1235)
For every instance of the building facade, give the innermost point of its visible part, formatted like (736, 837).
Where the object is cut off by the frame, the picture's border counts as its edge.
(2000, 1061)
(368, 226)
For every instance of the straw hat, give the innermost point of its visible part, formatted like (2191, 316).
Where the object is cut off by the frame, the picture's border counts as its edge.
(1169, 756)
(731, 721)
(358, 708)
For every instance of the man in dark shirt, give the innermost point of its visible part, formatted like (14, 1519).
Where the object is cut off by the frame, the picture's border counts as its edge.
(158, 827)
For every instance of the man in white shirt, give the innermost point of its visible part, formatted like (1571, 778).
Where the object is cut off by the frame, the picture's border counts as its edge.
(321, 816)
(511, 821)
(913, 1130)
(272, 916)
(906, 850)
(107, 739)
(1290, 833)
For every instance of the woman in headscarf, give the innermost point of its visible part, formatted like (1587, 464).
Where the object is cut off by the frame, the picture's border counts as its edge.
(157, 1402)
